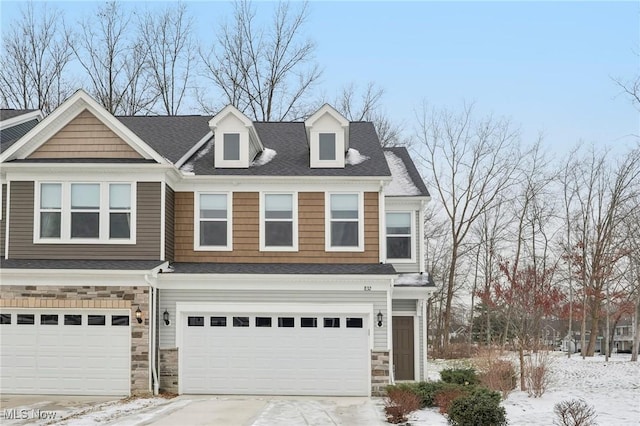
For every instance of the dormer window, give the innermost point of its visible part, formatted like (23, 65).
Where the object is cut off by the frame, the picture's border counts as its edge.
(327, 148)
(231, 147)
(328, 135)
(236, 143)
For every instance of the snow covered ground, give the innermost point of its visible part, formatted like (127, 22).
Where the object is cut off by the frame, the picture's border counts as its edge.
(611, 388)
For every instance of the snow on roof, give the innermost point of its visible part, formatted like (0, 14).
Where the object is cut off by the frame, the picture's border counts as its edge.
(354, 157)
(412, 280)
(265, 156)
(401, 183)
(188, 166)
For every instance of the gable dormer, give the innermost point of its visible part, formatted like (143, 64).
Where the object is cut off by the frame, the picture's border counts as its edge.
(236, 142)
(328, 136)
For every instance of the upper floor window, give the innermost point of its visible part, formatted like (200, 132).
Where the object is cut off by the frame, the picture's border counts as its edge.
(345, 227)
(399, 236)
(231, 143)
(85, 212)
(279, 222)
(327, 147)
(213, 221)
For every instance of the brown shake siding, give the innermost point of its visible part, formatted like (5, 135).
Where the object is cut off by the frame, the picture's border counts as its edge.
(3, 219)
(147, 245)
(246, 229)
(169, 218)
(85, 137)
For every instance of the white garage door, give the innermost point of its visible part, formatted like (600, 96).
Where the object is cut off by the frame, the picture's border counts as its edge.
(277, 354)
(65, 352)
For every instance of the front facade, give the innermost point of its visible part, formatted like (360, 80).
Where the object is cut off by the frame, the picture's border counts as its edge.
(209, 255)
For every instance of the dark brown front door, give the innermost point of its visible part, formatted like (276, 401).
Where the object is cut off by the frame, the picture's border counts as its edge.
(403, 348)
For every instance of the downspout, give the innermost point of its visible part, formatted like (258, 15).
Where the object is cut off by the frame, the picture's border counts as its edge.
(152, 321)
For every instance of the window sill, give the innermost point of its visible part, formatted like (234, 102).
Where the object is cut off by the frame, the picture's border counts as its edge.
(81, 241)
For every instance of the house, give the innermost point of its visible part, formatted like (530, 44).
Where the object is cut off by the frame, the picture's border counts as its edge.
(209, 255)
(623, 335)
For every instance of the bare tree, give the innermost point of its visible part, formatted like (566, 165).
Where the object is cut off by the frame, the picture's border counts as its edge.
(366, 106)
(266, 72)
(35, 59)
(469, 163)
(171, 54)
(114, 58)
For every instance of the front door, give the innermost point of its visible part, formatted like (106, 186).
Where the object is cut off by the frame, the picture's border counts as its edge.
(403, 350)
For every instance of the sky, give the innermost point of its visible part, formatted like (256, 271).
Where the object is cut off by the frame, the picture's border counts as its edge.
(548, 66)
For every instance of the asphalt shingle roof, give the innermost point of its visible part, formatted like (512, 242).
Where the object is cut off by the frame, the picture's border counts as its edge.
(284, 268)
(412, 171)
(289, 140)
(171, 136)
(11, 134)
(129, 265)
(6, 114)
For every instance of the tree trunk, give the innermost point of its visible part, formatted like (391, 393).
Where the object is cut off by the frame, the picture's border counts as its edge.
(636, 333)
(591, 347)
(449, 300)
(523, 385)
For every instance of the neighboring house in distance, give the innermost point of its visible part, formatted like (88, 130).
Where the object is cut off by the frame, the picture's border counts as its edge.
(623, 335)
(211, 255)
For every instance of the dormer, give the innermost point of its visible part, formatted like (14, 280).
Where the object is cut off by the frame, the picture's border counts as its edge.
(236, 142)
(328, 135)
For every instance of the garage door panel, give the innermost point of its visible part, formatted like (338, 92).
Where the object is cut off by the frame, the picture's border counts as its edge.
(63, 358)
(274, 360)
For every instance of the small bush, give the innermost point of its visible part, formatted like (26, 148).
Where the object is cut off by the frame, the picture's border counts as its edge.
(460, 376)
(399, 403)
(499, 375)
(574, 412)
(537, 373)
(445, 397)
(480, 408)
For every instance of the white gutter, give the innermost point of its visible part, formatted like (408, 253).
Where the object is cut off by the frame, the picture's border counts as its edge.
(152, 331)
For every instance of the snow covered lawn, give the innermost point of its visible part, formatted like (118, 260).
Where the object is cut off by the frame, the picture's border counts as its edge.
(611, 388)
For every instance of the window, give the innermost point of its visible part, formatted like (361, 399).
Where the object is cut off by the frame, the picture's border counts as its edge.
(263, 321)
(218, 321)
(120, 320)
(327, 146)
(345, 226)
(213, 222)
(241, 321)
(231, 142)
(5, 318)
(85, 212)
(195, 321)
(48, 319)
(399, 244)
(73, 320)
(308, 322)
(27, 319)
(354, 322)
(279, 222)
(332, 323)
(96, 320)
(286, 322)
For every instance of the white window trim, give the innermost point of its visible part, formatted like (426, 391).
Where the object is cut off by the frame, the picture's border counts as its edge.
(339, 161)
(242, 161)
(327, 222)
(294, 200)
(196, 224)
(65, 214)
(412, 259)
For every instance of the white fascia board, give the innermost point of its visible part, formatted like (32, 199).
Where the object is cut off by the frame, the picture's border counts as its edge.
(107, 172)
(298, 282)
(403, 292)
(14, 121)
(63, 115)
(194, 149)
(278, 183)
(415, 199)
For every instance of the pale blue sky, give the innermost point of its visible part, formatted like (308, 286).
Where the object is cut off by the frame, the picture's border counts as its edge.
(546, 65)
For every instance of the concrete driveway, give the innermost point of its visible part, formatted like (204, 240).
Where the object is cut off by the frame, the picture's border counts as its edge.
(43, 409)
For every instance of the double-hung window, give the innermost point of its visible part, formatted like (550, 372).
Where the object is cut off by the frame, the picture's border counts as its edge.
(279, 222)
(213, 221)
(345, 225)
(399, 236)
(87, 212)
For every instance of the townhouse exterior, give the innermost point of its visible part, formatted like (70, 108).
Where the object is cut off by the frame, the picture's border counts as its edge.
(211, 255)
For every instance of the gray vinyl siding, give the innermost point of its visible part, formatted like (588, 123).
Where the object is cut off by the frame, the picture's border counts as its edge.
(168, 299)
(169, 218)
(421, 352)
(3, 221)
(415, 266)
(406, 305)
(147, 245)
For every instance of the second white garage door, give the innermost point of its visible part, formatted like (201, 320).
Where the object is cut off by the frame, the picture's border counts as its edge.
(277, 354)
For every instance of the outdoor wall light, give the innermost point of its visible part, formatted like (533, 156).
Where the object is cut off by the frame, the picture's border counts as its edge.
(139, 315)
(379, 318)
(165, 317)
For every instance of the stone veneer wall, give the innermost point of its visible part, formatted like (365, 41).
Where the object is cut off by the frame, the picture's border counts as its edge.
(94, 297)
(169, 370)
(379, 372)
